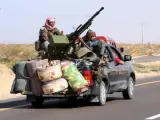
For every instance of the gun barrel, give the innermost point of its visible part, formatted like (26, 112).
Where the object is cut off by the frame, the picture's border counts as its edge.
(101, 8)
(82, 28)
(96, 13)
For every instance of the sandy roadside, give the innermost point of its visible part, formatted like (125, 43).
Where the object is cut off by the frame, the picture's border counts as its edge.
(134, 57)
(7, 77)
(146, 75)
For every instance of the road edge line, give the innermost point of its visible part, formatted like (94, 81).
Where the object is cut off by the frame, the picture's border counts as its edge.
(147, 83)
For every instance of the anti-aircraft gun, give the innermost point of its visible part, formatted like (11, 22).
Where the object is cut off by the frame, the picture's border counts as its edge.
(64, 45)
(81, 28)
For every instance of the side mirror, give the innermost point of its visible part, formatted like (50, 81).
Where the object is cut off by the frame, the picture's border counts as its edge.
(127, 58)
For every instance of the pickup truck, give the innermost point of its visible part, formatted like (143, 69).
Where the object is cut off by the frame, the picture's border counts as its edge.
(106, 79)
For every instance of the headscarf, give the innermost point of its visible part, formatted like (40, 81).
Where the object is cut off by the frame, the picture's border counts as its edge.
(50, 23)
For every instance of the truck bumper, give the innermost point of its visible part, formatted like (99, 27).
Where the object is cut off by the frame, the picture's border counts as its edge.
(93, 91)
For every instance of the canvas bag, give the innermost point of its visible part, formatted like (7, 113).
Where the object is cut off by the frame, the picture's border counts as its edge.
(21, 82)
(36, 84)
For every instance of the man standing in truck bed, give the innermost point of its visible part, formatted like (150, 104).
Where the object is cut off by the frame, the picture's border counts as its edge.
(45, 31)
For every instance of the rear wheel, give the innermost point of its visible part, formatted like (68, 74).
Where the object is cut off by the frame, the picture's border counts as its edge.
(37, 103)
(129, 92)
(72, 101)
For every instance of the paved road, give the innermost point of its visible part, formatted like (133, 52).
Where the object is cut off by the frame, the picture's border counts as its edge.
(146, 103)
(147, 59)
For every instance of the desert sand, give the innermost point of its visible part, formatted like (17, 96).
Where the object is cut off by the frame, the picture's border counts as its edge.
(6, 79)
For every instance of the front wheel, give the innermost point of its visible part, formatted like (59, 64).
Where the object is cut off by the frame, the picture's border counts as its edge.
(129, 92)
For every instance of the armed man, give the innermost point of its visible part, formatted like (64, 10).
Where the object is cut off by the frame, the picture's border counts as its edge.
(97, 46)
(54, 48)
(45, 32)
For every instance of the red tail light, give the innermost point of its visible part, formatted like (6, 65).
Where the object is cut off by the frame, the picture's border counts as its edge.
(88, 76)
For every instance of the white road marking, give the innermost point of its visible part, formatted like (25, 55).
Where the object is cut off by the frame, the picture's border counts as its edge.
(153, 117)
(147, 83)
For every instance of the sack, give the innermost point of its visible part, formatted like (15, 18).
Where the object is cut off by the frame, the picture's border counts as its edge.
(21, 82)
(74, 77)
(36, 84)
(55, 86)
(50, 73)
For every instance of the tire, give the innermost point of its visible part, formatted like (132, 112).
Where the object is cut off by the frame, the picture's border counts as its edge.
(103, 94)
(72, 101)
(129, 92)
(38, 103)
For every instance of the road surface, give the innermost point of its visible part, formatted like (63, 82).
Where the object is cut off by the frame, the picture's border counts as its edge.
(145, 105)
(147, 59)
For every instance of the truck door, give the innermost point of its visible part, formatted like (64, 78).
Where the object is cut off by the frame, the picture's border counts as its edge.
(111, 69)
(122, 68)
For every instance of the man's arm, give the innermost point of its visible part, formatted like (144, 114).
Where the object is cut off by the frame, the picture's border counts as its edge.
(43, 34)
(118, 61)
(102, 47)
(57, 32)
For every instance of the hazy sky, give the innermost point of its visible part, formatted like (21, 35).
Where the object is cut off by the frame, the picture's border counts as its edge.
(20, 20)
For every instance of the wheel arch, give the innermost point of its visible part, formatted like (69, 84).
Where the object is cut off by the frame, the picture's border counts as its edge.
(133, 77)
(106, 81)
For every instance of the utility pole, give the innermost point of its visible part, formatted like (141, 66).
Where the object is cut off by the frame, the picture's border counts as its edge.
(142, 33)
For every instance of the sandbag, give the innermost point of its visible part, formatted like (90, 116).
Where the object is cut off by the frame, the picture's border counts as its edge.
(36, 84)
(50, 73)
(21, 82)
(74, 77)
(55, 86)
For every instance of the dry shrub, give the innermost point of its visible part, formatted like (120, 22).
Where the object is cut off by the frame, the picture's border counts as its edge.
(16, 52)
(141, 49)
(147, 67)
(9, 51)
(12, 53)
